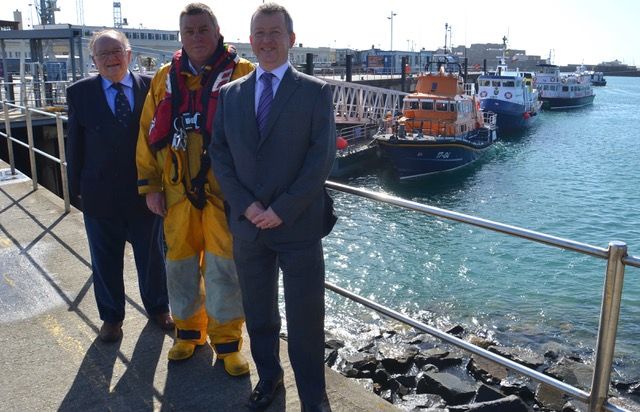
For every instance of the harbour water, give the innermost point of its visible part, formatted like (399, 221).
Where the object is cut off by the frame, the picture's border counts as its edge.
(574, 175)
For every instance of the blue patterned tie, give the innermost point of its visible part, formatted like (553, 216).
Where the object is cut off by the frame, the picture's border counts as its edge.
(264, 104)
(122, 107)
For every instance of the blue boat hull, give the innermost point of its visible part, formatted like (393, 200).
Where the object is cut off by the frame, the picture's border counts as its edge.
(415, 158)
(511, 116)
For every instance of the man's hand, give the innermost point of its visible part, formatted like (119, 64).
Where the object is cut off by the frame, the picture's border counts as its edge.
(267, 220)
(253, 210)
(156, 203)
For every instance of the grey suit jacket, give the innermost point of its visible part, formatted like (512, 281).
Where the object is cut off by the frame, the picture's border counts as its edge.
(285, 169)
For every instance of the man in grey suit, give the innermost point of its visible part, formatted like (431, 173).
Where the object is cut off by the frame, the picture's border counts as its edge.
(272, 173)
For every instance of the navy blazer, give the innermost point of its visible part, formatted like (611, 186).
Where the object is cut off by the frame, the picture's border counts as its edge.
(286, 169)
(101, 162)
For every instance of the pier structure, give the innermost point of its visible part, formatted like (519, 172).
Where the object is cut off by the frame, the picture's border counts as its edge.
(361, 104)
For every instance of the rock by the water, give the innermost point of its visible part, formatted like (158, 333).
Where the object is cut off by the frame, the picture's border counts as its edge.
(574, 373)
(450, 387)
(422, 401)
(486, 393)
(486, 370)
(523, 356)
(517, 386)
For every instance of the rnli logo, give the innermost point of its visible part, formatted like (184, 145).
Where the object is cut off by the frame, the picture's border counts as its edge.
(222, 79)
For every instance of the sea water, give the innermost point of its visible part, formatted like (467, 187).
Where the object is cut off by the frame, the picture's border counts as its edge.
(575, 175)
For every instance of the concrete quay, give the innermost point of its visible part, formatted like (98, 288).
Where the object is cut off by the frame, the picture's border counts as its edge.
(51, 357)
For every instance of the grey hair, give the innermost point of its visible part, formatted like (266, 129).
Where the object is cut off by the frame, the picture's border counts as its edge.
(195, 9)
(117, 34)
(273, 8)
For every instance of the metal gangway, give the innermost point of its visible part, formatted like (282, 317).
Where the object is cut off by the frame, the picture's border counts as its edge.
(358, 104)
(615, 255)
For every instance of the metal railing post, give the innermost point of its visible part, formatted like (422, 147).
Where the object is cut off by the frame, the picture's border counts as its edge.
(32, 154)
(7, 129)
(609, 315)
(63, 164)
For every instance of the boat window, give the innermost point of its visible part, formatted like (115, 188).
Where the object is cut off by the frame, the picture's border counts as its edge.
(413, 105)
(441, 106)
(434, 86)
(565, 88)
(495, 83)
(452, 107)
(427, 105)
(508, 83)
(485, 83)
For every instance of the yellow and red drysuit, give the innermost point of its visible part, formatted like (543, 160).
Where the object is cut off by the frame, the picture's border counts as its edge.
(204, 293)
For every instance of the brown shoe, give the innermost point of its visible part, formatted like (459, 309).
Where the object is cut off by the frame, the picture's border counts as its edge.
(110, 332)
(164, 320)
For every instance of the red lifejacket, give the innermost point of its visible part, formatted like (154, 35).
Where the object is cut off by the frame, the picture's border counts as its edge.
(197, 104)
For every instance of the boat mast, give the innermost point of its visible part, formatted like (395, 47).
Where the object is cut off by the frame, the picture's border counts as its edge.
(446, 27)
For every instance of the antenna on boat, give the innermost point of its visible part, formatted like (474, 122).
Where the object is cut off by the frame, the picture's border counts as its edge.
(446, 28)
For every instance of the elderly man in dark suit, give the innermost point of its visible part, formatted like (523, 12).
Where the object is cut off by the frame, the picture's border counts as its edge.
(272, 173)
(104, 113)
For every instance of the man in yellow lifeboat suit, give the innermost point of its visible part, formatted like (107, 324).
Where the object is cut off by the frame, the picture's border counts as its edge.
(175, 176)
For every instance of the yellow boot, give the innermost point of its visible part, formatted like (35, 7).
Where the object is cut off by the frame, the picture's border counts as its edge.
(189, 334)
(235, 363)
(181, 350)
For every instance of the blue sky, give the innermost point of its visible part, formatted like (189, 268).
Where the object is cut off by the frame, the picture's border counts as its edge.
(573, 31)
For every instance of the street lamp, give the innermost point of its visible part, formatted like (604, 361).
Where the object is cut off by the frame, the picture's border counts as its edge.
(391, 18)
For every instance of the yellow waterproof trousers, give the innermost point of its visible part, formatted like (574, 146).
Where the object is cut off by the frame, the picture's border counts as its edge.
(204, 293)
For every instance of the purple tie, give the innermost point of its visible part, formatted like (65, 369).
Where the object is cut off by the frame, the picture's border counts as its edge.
(122, 107)
(264, 104)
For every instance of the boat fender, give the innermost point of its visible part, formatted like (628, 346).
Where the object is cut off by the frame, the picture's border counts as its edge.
(341, 143)
(526, 115)
(483, 93)
(508, 95)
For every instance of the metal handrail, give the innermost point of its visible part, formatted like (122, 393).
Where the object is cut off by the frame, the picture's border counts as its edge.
(615, 254)
(30, 145)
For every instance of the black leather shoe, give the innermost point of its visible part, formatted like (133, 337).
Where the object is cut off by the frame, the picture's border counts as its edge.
(264, 393)
(110, 332)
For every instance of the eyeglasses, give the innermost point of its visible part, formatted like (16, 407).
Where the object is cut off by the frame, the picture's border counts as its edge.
(107, 53)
